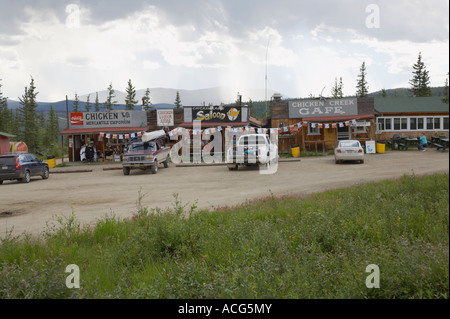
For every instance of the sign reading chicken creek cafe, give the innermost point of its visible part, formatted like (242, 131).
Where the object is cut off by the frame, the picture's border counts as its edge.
(323, 107)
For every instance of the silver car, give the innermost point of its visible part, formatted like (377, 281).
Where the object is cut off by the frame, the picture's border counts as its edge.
(349, 150)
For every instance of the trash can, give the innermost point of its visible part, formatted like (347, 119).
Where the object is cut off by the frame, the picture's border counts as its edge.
(295, 150)
(381, 147)
(51, 161)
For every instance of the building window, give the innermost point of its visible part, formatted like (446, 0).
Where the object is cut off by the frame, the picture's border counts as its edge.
(397, 124)
(359, 129)
(388, 124)
(313, 130)
(404, 123)
(413, 123)
(380, 122)
(420, 123)
(429, 123)
(437, 123)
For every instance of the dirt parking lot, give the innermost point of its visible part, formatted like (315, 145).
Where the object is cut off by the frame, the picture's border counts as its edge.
(105, 190)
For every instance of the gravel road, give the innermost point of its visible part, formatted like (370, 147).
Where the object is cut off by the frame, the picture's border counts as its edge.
(104, 190)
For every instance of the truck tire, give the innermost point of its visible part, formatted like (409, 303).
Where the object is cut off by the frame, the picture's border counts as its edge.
(46, 173)
(155, 168)
(126, 170)
(166, 162)
(26, 178)
(232, 167)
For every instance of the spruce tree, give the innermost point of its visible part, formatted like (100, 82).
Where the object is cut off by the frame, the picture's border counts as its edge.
(87, 106)
(5, 115)
(110, 102)
(336, 90)
(420, 81)
(178, 100)
(146, 103)
(130, 100)
(51, 133)
(76, 103)
(340, 88)
(445, 98)
(97, 103)
(362, 90)
(27, 118)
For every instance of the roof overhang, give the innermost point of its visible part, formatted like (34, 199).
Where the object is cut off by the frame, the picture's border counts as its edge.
(214, 124)
(338, 118)
(118, 130)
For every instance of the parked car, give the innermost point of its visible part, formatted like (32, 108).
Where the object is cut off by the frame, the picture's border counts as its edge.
(22, 166)
(349, 150)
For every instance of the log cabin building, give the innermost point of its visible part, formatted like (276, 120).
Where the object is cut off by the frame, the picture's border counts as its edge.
(318, 124)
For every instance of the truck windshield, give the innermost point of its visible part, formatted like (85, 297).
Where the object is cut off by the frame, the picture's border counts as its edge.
(252, 140)
(142, 147)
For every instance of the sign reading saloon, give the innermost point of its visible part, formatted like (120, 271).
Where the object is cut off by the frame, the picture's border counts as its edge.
(108, 119)
(318, 108)
(225, 114)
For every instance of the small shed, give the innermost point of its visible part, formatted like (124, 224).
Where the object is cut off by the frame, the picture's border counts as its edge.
(4, 143)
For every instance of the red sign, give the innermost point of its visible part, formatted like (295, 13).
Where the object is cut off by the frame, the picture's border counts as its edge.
(76, 118)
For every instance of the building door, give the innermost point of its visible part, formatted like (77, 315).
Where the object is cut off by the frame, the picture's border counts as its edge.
(343, 133)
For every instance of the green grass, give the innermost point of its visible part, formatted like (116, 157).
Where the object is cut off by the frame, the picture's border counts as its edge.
(313, 247)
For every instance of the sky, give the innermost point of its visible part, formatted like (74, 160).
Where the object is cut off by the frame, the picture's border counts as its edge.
(295, 47)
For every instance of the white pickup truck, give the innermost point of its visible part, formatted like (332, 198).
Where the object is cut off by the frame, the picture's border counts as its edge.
(252, 149)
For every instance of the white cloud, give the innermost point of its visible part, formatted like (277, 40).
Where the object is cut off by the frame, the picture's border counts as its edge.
(198, 44)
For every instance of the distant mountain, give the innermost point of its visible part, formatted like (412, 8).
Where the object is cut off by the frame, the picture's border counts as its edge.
(60, 106)
(161, 98)
(405, 92)
(215, 95)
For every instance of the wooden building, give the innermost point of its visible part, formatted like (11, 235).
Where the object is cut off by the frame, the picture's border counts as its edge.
(318, 124)
(108, 131)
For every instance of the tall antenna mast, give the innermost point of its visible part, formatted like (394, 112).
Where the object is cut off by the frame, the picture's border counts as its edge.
(267, 50)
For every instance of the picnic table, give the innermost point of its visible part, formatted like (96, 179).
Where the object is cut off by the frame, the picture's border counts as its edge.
(439, 142)
(410, 142)
(397, 142)
(444, 144)
(403, 143)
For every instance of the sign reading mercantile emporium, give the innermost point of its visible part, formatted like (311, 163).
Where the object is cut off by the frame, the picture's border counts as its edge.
(323, 107)
(108, 119)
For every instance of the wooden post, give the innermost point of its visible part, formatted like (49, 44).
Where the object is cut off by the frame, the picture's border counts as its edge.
(303, 139)
(62, 148)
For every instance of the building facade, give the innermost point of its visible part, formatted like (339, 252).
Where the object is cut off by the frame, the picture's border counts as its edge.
(318, 124)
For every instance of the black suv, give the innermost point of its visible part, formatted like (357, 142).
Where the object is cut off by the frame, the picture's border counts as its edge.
(22, 166)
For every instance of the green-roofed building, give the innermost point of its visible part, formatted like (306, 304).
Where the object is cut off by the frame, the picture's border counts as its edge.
(410, 116)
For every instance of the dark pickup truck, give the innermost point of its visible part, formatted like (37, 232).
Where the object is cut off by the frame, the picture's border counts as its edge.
(21, 167)
(147, 153)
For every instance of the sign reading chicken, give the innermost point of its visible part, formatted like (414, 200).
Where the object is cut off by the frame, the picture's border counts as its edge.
(226, 114)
